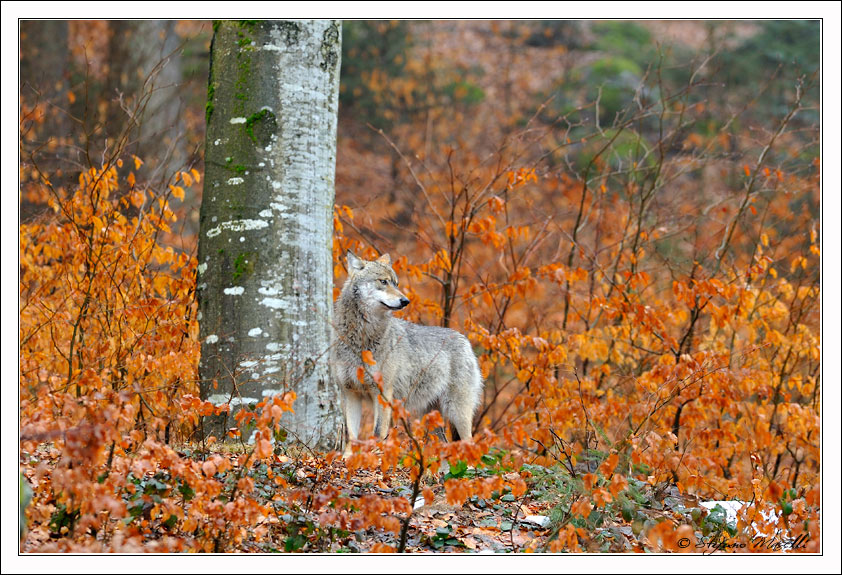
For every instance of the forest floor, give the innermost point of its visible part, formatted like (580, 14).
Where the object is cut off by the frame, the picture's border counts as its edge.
(500, 524)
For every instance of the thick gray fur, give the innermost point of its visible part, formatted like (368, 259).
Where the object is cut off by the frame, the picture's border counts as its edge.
(425, 366)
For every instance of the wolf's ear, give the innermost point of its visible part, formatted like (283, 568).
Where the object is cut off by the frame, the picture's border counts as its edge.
(385, 260)
(355, 264)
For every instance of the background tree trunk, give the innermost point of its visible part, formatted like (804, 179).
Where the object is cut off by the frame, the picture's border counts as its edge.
(145, 62)
(266, 224)
(43, 80)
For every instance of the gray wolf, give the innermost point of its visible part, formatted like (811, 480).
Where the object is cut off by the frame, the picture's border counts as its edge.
(425, 366)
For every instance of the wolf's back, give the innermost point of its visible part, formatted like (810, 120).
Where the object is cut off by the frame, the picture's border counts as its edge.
(433, 365)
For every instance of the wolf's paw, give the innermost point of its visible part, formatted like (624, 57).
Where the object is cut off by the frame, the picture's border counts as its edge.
(364, 448)
(430, 478)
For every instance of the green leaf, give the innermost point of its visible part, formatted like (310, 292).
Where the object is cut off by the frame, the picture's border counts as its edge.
(457, 470)
(135, 508)
(489, 460)
(628, 511)
(186, 491)
(294, 543)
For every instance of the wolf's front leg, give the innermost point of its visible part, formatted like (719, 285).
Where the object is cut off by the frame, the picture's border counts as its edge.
(353, 406)
(383, 414)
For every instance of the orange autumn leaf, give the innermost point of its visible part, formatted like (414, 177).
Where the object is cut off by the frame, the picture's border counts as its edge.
(428, 495)
(368, 357)
(618, 484)
(774, 490)
(609, 465)
(582, 507)
(209, 468)
(602, 497)
(177, 191)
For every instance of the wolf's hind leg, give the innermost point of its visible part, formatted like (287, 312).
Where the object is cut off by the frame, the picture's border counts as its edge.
(463, 427)
(353, 405)
(461, 417)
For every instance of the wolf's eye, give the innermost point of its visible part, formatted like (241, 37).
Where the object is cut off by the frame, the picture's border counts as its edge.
(384, 282)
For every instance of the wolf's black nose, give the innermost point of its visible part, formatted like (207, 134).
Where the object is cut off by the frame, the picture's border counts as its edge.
(404, 302)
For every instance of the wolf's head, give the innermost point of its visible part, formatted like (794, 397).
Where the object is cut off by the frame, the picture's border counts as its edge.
(376, 284)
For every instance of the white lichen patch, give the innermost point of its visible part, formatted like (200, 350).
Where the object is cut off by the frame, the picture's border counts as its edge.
(265, 213)
(235, 181)
(274, 346)
(268, 291)
(237, 226)
(203, 268)
(275, 303)
(248, 364)
(236, 290)
(237, 120)
(217, 141)
(255, 332)
(212, 338)
(222, 399)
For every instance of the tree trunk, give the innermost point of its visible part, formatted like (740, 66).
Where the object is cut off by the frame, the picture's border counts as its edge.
(43, 80)
(145, 63)
(266, 224)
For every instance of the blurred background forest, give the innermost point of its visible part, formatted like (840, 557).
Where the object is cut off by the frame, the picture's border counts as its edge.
(434, 88)
(622, 215)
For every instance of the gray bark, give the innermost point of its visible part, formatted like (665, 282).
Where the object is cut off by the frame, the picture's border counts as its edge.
(44, 66)
(145, 64)
(43, 71)
(266, 225)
